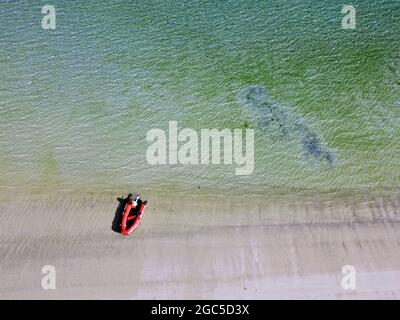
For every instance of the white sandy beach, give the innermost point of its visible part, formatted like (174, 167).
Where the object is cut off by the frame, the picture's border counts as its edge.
(199, 249)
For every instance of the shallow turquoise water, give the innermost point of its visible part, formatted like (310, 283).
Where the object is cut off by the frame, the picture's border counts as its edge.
(76, 102)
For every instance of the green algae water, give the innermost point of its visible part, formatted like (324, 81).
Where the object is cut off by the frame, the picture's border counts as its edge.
(76, 102)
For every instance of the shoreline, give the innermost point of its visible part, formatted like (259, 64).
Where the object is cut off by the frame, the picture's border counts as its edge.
(199, 248)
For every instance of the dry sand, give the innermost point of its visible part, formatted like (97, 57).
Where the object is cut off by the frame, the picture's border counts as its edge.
(198, 247)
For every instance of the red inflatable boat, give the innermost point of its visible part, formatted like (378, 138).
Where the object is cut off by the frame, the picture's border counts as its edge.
(132, 215)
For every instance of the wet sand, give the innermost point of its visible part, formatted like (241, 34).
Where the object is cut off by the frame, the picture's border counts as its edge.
(194, 248)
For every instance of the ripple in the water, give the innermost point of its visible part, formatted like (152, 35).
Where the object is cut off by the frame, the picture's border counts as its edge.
(280, 123)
